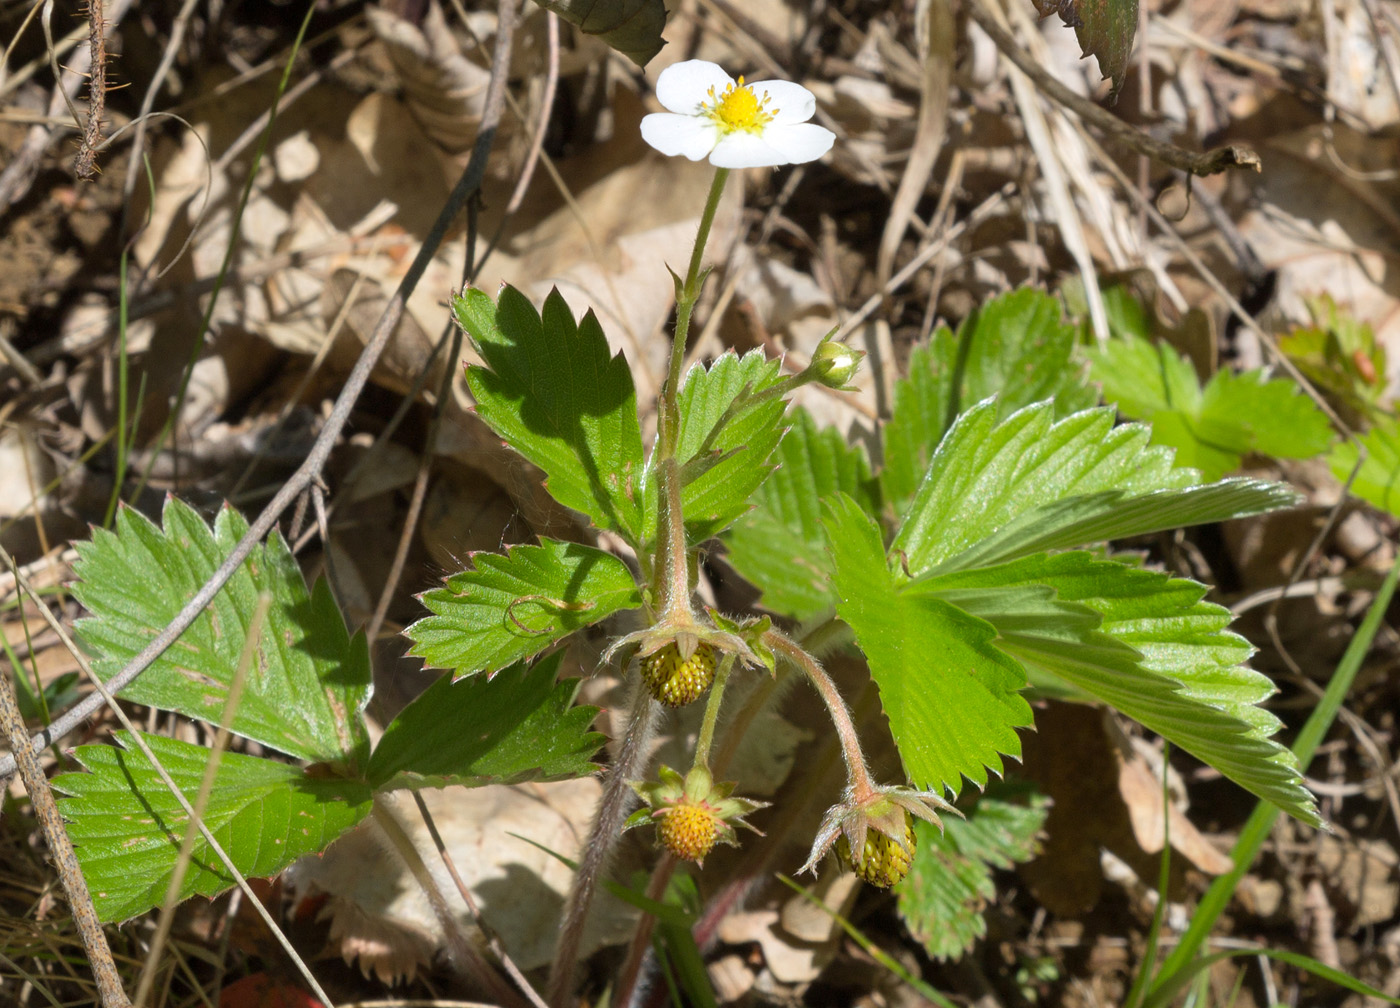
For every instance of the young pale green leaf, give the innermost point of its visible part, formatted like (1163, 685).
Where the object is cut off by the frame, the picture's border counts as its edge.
(632, 27)
(780, 546)
(1211, 428)
(949, 884)
(1144, 643)
(553, 392)
(519, 726)
(723, 468)
(310, 679)
(1016, 347)
(952, 698)
(513, 606)
(1143, 378)
(127, 827)
(1378, 480)
(996, 491)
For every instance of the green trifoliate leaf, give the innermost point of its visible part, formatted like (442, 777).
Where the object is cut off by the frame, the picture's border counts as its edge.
(1210, 428)
(1378, 481)
(1144, 643)
(309, 680)
(997, 491)
(780, 546)
(551, 389)
(952, 698)
(1016, 347)
(512, 607)
(127, 827)
(725, 447)
(950, 882)
(519, 726)
(632, 27)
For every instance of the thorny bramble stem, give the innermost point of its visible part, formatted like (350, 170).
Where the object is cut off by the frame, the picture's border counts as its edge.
(857, 772)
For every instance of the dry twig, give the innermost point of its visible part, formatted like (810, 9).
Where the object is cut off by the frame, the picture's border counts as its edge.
(1206, 163)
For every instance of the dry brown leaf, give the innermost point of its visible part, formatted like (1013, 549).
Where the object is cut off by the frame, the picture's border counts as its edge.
(1104, 798)
(377, 910)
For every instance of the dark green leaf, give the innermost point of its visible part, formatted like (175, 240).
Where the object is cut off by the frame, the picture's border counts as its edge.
(310, 679)
(950, 882)
(1105, 28)
(128, 828)
(519, 726)
(780, 546)
(952, 698)
(632, 27)
(514, 606)
(553, 392)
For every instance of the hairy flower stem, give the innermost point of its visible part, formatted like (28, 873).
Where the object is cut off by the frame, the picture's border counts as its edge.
(687, 293)
(673, 572)
(602, 840)
(712, 705)
(857, 771)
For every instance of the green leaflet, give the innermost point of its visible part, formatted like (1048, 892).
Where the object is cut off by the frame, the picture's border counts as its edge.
(518, 726)
(552, 390)
(1016, 347)
(514, 606)
(950, 881)
(952, 698)
(780, 545)
(995, 491)
(1211, 428)
(1144, 643)
(310, 680)
(1378, 480)
(721, 469)
(127, 827)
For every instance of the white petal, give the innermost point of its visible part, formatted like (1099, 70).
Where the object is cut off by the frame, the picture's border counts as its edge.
(746, 150)
(680, 134)
(683, 87)
(791, 103)
(799, 142)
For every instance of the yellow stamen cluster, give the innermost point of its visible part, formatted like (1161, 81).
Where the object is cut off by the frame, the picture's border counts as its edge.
(738, 108)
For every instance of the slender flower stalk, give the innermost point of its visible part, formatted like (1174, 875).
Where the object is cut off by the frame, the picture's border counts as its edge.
(712, 705)
(857, 772)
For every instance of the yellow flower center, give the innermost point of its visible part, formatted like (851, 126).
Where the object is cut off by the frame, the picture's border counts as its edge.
(738, 108)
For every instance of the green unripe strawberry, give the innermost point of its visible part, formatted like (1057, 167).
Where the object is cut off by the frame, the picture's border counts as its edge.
(689, 831)
(882, 861)
(675, 681)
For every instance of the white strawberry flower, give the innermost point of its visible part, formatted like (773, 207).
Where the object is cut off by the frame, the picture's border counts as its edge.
(734, 124)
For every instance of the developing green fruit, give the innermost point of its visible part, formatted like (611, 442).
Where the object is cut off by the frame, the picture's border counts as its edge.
(882, 862)
(675, 681)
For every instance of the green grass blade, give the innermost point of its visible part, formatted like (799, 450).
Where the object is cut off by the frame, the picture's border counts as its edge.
(1256, 830)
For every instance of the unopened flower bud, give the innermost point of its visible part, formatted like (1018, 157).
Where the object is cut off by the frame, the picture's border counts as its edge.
(835, 364)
